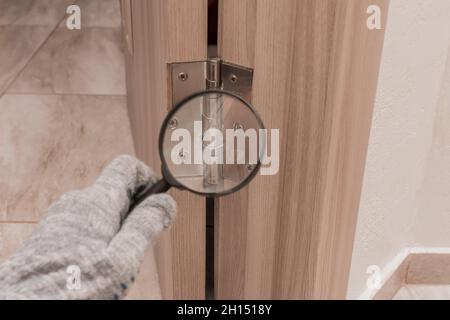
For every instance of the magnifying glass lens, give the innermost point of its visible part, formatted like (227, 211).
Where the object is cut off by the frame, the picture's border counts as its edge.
(211, 144)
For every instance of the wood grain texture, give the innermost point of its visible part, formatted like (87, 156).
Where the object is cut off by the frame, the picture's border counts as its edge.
(165, 31)
(127, 27)
(316, 70)
(239, 19)
(429, 269)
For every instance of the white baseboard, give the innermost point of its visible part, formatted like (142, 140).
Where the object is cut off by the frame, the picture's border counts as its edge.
(394, 274)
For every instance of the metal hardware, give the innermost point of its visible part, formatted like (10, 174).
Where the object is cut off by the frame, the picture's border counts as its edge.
(212, 119)
(190, 77)
(213, 80)
(238, 126)
(194, 82)
(173, 123)
(183, 76)
(237, 80)
(183, 155)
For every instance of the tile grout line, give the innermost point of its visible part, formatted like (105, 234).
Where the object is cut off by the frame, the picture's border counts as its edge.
(12, 82)
(18, 222)
(9, 85)
(32, 56)
(91, 27)
(64, 94)
(56, 27)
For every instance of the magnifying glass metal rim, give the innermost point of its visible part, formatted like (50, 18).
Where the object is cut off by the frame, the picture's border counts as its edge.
(166, 172)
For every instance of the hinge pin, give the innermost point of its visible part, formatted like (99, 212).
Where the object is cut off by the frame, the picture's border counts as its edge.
(213, 119)
(213, 73)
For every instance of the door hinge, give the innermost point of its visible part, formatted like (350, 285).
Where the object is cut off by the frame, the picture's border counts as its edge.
(191, 77)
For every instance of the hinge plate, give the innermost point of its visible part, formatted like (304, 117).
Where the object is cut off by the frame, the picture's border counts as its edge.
(190, 77)
(237, 80)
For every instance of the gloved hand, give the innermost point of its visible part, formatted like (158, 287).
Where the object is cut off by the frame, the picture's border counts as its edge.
(91, 230)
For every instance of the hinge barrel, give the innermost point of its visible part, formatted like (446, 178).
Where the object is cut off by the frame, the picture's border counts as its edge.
(213, 80)
(213, 119)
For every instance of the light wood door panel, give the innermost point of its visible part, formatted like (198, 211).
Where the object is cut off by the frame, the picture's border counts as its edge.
(315, 73)
(162, 32)
(315, 76)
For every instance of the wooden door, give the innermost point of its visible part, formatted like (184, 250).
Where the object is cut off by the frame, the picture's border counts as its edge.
(290, 236)
(316, 66)
(162, 32)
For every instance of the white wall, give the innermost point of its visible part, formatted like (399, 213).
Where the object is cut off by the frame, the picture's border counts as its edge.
(406, 193)
(433, 228)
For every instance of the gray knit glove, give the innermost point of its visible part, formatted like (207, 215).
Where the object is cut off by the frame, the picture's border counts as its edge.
(88, 246)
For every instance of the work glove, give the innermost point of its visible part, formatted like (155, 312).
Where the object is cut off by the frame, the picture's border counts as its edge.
(88, 246)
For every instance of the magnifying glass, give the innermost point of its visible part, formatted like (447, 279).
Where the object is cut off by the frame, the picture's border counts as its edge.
(210, 144)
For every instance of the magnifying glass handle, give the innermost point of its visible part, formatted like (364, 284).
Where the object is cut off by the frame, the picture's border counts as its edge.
(159, 187)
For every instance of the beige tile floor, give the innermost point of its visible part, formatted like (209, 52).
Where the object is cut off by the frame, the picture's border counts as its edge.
(32, 12)
(23, 42)
(76, 61)
(62, 112)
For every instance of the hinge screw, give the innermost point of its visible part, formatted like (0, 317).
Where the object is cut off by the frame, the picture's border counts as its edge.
(238, 126)
(183, 155)
(233, 78)
(173, 123)
(183, 76)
